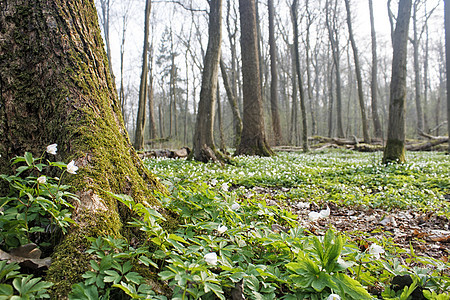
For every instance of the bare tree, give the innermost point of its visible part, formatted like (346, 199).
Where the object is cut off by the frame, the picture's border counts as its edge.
(299, 76)
(276, 126)
(358, 74)
(332, 27)
(378, 132)
(447, 56)
(395, 145)
(237, 120)
(143, 88)
(204, 148)
(253, 140)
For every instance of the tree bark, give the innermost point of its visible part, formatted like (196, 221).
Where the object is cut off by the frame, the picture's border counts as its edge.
(447, 56)
(395, 145)
(300, 81)
(418, 92)
(276, 126)
(253, 140)
(358, 74)
(378, 131)
(56, 88)
(204, 126)
(334, 41)
(237, 121)
(143, 88)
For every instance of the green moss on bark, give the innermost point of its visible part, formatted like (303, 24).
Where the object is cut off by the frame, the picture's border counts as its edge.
(394, 152)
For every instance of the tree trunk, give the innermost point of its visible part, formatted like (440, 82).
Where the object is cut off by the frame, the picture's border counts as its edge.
(56, 88)
(274, 78)
(308, 70)
(293, 132)
(395, 145)
(143, 88)
(237, 121)
(253, 140)
(447, 56)
(300, 81)
(204, 148)
(378, 131)
(334, 41)
(415, 42)
(358, 74)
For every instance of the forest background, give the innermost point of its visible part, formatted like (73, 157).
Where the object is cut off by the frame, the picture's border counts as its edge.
(178, 39)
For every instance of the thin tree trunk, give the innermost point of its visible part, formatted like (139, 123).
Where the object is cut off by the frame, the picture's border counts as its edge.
(276, 126)
(334, 40)
(358, 74)
(447, 56)
(222, 145)
(105, 4)
(299, 75)
(141, 115)
(253, 140)
(71, 101)
(204, 147)
(415, 42)
(395, 145)
(293, 132)
(308, 71)
(378, 131)
(237, 121)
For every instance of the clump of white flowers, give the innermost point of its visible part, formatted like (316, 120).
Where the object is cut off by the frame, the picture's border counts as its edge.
(376, 250)
(221, 229)
(235, 206)
(314, 216)
(211, 258)
(42, 179)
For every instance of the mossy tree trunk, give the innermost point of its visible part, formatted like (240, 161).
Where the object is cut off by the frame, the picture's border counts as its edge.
(56, 88)
(253, 139)
(395, 145)
(204, 147)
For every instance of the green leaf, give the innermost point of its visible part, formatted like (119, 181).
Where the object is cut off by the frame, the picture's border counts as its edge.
(82, 292)
(148, 262)
(6, 291)
(350, 287)
(134, 277)
(29, 158)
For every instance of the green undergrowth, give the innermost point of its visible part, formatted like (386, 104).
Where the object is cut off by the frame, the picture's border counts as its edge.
(346, 178)
(231, 244)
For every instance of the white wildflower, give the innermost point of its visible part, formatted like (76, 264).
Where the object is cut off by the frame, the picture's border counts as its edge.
(376, 250)
(222, 228)
(235, 206)
(51, 149)
(214, 182)
(224, 187)
(211, 258)
(42, 179)
(72, 168)
(334, 297)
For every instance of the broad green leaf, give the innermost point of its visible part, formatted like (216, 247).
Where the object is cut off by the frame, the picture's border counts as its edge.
(29, 158)
(350, 287)
(6, 291)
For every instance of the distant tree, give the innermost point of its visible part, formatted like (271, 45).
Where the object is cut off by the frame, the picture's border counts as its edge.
(204, 147)
(395, 145)
(447, 56)
(299, 77)
(276, 126)
(378, 131)
(358, 74)
(143, 88)
(232, 99)
(332, 26)
(253, 140)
